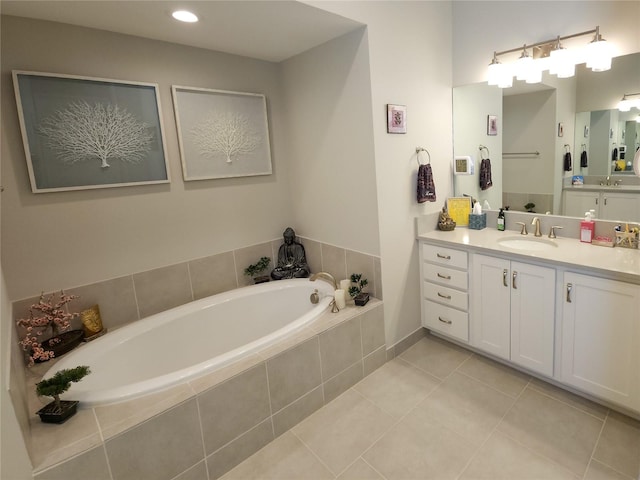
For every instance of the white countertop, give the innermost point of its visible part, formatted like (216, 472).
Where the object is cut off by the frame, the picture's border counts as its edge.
(618, 263)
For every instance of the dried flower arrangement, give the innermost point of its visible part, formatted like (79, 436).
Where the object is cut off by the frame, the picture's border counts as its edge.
(45, 316)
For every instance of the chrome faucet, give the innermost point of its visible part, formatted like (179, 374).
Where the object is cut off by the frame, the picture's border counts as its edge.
(329, 278)
(536, 222)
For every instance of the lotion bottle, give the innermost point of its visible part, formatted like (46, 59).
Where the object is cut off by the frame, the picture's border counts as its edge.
(587, 228)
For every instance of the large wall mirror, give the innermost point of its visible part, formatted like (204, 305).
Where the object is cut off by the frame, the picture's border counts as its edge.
(537, 125)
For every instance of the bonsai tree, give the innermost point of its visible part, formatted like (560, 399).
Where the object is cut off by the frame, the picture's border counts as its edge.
(360, 283)
(45, 316)
(257, 268)
(60, 383)
(530, 206)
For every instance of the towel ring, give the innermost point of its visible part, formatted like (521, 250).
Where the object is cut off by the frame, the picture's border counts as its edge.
(420, 149)
(568, 148)
(481, 148)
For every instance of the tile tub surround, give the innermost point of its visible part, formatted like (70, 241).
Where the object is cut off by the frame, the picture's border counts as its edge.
(132, 297)
(216, 421)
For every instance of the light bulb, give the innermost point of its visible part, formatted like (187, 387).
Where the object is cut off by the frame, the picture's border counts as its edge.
(494, 72)
(184, 16)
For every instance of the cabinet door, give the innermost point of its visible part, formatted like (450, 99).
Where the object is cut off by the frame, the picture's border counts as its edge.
(601, 338)
(532, 316)
(576, 203)
(620, 206)
(489, 319)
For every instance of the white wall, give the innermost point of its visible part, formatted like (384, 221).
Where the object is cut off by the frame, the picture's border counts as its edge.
(480, 28)
(327, 93)
(56, 240)
(410, 58)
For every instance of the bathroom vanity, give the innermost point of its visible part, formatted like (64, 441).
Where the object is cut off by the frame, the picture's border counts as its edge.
(560, 309)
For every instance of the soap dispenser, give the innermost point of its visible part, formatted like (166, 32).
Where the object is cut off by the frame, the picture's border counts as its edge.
(587, 228)
(501, 220)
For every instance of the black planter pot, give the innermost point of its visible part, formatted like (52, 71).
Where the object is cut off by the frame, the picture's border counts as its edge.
(50, 413)
(261, 279)
(361, 299)
(68, 341)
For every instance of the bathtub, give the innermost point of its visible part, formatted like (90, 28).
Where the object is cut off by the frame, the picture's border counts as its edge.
(191, 340)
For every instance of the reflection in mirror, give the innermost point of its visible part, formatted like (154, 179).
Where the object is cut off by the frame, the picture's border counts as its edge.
(537, 124)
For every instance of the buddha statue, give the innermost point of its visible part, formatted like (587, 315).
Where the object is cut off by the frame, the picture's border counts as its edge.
(292, 261)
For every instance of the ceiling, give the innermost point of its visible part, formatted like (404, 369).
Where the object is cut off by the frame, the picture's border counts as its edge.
(266, 30)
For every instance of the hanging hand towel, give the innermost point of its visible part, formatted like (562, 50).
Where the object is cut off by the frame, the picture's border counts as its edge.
(583, 159)
(567, 162)
(614, 154)
(426, 187)
(485, 174)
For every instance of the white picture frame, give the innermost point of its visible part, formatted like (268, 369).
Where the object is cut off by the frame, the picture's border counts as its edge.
(63, 120)
(221, 133)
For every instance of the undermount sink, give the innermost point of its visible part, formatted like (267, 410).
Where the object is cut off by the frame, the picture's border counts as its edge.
(527, 243)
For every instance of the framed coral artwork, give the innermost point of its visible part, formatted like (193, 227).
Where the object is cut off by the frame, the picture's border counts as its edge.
(396, 118)
(83, 133)
(221, 134)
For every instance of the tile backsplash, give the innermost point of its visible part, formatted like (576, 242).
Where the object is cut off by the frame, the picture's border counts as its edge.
(126, 299)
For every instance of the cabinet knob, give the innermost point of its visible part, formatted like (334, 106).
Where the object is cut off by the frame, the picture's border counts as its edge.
(446, 277)
(446, 257)
(569, 288)
(443, 320)
(505, 272)
(514, 275)
(446, 297)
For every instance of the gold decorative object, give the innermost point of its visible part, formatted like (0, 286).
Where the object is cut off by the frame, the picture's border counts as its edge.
(92, 321)
(445, 222)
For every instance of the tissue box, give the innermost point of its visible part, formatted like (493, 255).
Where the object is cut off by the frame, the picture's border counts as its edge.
(477, 222)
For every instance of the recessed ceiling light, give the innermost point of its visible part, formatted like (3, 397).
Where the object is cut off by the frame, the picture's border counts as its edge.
(184, 16)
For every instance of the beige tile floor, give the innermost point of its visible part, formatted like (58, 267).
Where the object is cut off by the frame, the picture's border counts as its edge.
(440, 412)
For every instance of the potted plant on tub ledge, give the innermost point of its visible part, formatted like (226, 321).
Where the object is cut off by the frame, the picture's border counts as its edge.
(255, 270)
(360, 298)
(49, 316)
(59, 411)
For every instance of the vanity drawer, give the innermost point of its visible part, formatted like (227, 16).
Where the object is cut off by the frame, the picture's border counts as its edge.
(444, 256)
(445, 295)
(445, 320)
(445, 276)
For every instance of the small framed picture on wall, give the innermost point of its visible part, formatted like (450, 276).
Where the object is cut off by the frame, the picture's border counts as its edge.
(492, 125)
(396, 118)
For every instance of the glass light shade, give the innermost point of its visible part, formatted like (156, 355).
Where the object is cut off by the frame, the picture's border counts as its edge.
(523, 67)
(562, 63)
(624, 105)
(599, 55)
(506, 78)
(535, 73)
(494, 72)
(184, 16)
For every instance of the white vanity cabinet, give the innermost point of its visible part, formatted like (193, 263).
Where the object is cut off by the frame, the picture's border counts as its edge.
(513, 311)
(578, 202)
(619, 206)
(444, 285)
(608, 204)
(601, 338)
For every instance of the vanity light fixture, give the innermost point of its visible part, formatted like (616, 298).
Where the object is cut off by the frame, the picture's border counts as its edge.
(550, 55)
(184, 16)
(627, 104)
